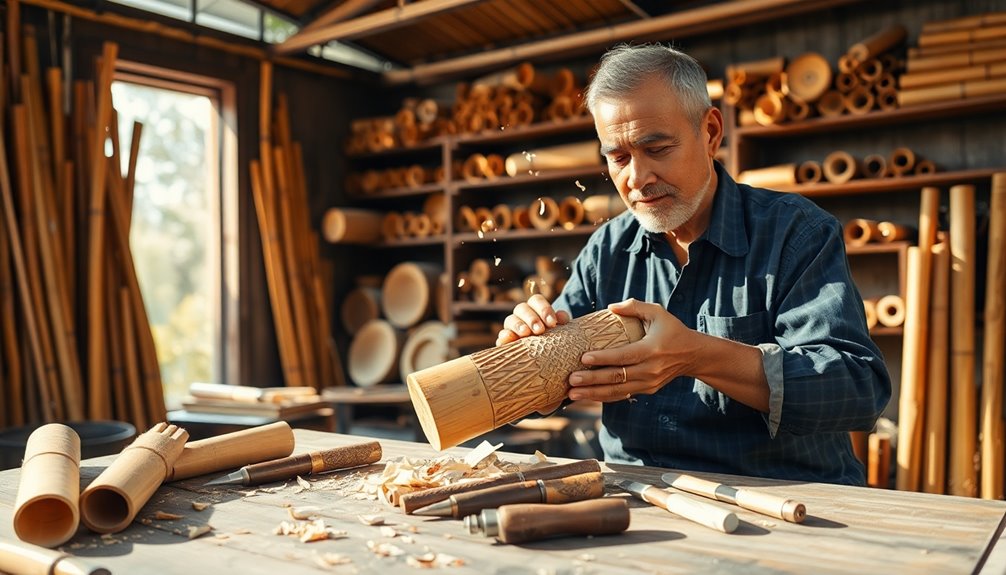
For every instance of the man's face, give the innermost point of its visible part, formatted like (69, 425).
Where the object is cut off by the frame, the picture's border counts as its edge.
(661, 165)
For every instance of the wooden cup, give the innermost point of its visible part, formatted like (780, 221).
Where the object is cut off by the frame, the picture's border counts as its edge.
(46, 509)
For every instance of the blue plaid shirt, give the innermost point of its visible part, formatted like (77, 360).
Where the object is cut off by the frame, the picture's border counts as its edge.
(770, 271)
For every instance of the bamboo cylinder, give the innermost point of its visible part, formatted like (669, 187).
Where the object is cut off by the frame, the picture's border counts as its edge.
(503, 216)
(27, 559)
(846, 82)
(995, 343)
(570, 212)
(797, 110)
(769, 177)
(232, 450)
(861, 231)
(901, 161)
(427, 345)
(831, 103)
(374, 353)
(878, 43)
(769, 109)
(965, 22)
(917, 80)
(477, 393)
(879, 466)
(521, 218)
(808, 77)
(113, 499)
(934, 475)
(962, 478)
(484, 220)
(892, 232)
(602, 207)
(839, 167)
(968, 57)
(419, 226)
(435, 206)
(352, 226)
(887, 99)
(891, 310)
(809, 172)
(46, 508)
(578, 155)
(408, 292)
(870, 71)
(543, 213)
(748, 72)
(924, 168)
(962, 36)
(874, 166)
(870, 309)
(860, 100)
(360, 305)
(466, 220)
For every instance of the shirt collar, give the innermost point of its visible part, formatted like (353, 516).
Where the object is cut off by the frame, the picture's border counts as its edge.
(726, 230)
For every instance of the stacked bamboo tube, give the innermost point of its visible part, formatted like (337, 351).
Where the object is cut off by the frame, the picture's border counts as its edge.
(410, 177)
(72, 347)
(840, 167)
(956, 59)
(290, 250)
(544, 213)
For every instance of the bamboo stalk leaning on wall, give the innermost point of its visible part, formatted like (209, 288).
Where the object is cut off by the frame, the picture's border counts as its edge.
(962, 478)
(995, 346)
(934, 475)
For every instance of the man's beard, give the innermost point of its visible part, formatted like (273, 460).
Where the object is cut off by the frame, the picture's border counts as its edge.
(670, 218)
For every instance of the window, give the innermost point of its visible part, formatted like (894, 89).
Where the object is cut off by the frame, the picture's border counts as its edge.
(183, 231)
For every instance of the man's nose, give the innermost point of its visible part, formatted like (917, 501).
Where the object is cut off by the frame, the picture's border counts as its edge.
(640, 174)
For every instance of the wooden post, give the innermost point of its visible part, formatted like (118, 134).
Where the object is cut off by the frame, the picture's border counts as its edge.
(995, 338)
(962, 478)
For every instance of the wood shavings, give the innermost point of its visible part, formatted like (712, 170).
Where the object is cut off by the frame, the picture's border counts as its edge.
(407, 539)
(384, 549)
(165, 516)
(199, 505)
(303, 482)
(242, 531)
(388, 531)
(434, 560)
(332, 559)
(371, 519)
(146, 521)
(308, 531)
(199, 530)
(307, 512)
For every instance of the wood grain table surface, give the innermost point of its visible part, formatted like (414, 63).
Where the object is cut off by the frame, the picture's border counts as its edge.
(848, 530)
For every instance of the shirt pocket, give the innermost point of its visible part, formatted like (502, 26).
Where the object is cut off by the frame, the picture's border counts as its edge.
(750, 329)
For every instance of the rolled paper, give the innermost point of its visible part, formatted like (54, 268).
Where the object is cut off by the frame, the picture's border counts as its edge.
(471, 395)
(578, 155)
(808, 76)
(112, 500)
(891, 310)
(46, 508)
(861, 231)
(233, 450)
(352, 226)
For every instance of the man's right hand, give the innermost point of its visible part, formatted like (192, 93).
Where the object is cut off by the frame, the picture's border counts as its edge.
(532, 317)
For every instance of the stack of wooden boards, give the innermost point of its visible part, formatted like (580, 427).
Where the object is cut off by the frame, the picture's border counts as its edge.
(273, 402)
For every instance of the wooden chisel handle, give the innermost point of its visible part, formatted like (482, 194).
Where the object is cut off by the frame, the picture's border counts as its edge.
(757, 501)
(702, 513)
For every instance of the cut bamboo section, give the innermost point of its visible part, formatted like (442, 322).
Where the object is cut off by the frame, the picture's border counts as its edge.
(962, 478)
(770, 177)
(831, 103)
(861, 231)
(874, 166)
(808, 77)
(570, 213)
(543, 213)
(352, 226)
(809, 172)
(934, 475)
(112, 500)
(839, 167)
(901, 162)
(878, 43)
(892, 232)
(752, 71)
(232, 450)
(891, 310)
(879, 467)
(46, 509)
(967, 57)
(408, 293)
(477, 393)
(374, 353)
(995, 344)
(578, 155)
(949, 92)
(360, 305)
(502, 215)
(860, 100)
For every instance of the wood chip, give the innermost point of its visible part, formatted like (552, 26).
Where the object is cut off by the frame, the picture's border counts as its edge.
(303, 482)
(199, 505)
(163, 515)
(199, 530)
(384, 549)
(308, 531)
(371, 519)
(307, 512)
(387, 531)
(242, 531)
(332, 559)
(433, 560)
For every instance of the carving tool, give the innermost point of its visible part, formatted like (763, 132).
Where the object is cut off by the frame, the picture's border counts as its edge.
(562, 490)
(28, 558)
(757, 501)
(531, 522)
(303, 464)
(702, 513)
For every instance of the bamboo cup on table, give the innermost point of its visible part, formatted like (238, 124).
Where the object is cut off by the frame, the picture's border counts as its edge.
(27, 559)
(231, 450)
(477, 393)
(46, 510)
(113, 499)
(578, 155)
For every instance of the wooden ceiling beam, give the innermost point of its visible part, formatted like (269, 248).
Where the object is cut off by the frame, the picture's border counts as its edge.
(702, 20)
(371, 24)
(635, 9)
(340, 12)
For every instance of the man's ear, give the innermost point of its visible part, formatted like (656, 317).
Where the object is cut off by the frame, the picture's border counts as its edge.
(712, 126)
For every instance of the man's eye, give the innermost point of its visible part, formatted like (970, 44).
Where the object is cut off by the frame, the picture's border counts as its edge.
(618, 160)
(659, 150)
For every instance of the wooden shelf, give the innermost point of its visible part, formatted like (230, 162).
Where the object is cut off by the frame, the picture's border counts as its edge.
(503, 136)
(878, 248)
(597, 171)
(420, 148)
(516, 235)
(884, 185)
(883, 330)
(899, 116)
(399, 192)
(491, 307)
(412, 242)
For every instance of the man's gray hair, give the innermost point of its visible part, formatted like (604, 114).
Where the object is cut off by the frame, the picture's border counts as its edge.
(624, 68)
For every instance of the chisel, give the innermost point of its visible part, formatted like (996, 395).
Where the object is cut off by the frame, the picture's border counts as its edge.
(303, 464)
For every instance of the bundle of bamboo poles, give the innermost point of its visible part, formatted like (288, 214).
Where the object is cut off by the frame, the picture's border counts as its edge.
(297, 292)
(72, 346)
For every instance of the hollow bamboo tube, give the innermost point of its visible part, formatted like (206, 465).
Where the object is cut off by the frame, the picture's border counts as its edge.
(772, 176)
(475, 168)
(769, 109)
(870, 71)
(358, 307)
(911, 405)
(407, 293)
(860, 100)
(796, 110)
(995, 343)
(112, 500)
(962, 36)
(965, 22)
(917, 80)
(934, 475)
(27, 559)
(956, 59)
(891, 310)
(870, 309)
(503, 217)
(874, 166)
(924, 167)
(749, 72)
(232, 450)
(846, 82)
(418, 225)
(46, 509)
(571, 212)
(831, 103)
(392, 226)
(543, 213)
(578, 155)
(517, 78)
(477, 393)
(521, 218)
(887, 99)
(839, 167)
(602, 207)
(878, 43)
(352, 226)
(901, 161)
(892, 232)
(962, 478)
(947, 92)
(808, 77)
(879, 467)
(861, 231)
(467, 221)
(374, 353)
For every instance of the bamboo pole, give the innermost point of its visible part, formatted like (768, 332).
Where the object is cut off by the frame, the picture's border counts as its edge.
(57, 125)
(96, 353)
(137, 406)
(934, 475)
(116, 343)
(995, 345)
(962, 477)
(8, 335)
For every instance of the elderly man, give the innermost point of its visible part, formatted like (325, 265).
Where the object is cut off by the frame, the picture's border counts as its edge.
(756, 358)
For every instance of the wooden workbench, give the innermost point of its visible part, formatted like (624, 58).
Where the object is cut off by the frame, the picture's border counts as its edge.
(848, 530)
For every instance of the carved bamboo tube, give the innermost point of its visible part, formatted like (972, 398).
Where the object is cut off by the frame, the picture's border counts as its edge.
(111, 501)
(870, 309)
(46, 509)
(578, 155)
(232, 450)
(477, 393)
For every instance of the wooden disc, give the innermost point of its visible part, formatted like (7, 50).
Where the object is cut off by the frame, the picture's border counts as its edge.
(373, 355)
(808, 76)
(360, 305)
(408, 292)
